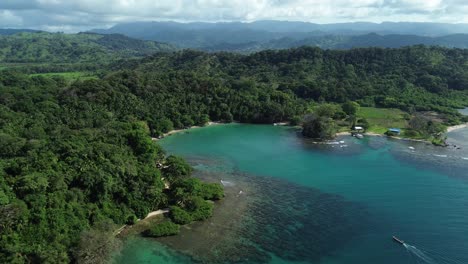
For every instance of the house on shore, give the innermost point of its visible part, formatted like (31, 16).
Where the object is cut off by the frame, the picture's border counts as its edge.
(359, 129)
(393, 132)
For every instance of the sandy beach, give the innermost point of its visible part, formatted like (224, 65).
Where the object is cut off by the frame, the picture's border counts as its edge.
(452, 128)
(175, 131)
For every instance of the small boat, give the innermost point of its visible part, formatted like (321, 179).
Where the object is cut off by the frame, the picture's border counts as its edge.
(359, 136)
(396, 239)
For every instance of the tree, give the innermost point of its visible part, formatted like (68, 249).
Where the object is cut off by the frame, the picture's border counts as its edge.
(325, 110)
(176, 168)
(180, 216)
(227, 117)
(166, 125)
(203, 120)
(319, 127)
(187, 121)
(295, 121)
(212, 191)
(166, 228)
(199, 208)
(97, 244)
(350, 108)
(364, 123)
(10, 145)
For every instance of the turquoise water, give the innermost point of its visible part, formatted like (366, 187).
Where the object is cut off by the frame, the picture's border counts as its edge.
(464, 111)
(302, 202)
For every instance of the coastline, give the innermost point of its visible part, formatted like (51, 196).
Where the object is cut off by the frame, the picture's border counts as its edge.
(372, 134)
(211, 123)
(453, 128)
(175, 131)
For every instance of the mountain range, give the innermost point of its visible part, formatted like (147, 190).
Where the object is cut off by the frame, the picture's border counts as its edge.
(259, 35)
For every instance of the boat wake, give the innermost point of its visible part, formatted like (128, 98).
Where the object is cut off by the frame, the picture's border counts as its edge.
(423, 256)
(419, 254)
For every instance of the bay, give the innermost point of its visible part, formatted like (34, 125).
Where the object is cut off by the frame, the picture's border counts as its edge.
(292, 201)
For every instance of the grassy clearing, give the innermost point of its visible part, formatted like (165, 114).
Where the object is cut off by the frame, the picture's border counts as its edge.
(380, 119)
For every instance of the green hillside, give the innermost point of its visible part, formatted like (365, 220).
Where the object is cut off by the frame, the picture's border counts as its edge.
(73, 48)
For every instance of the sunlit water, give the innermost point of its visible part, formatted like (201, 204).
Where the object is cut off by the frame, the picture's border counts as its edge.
(292, 201)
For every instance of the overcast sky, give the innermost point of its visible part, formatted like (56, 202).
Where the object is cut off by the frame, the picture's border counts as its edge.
(76, 15)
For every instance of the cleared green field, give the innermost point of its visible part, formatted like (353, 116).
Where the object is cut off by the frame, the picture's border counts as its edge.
(69, 76)
(380, 119)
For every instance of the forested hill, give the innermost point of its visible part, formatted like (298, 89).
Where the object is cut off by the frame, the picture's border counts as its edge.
(11, 31)
(345, 42)
(413, 78)
(73, 48)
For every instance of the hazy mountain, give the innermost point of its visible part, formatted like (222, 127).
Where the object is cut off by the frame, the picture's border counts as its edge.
(248, 37)
(10, 31)
(347, 42)
(199, 35)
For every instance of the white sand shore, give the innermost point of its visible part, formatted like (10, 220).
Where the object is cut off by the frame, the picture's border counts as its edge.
(158, 212)
(175, 131)
(452, 128)
(151, 214)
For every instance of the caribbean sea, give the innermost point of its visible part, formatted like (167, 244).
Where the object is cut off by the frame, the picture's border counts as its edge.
(290, 200)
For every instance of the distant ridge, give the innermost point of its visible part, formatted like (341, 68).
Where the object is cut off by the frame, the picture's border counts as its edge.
(259, 35)
(11, 31)
(44, 47)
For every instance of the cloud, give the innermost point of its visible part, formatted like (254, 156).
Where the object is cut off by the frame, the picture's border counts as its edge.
(75, 15)
(9, 19)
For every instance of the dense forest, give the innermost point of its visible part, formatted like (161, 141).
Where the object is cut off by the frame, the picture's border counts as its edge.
(413, 79)
(42, 47)
(77, 159)
(343, 42)
(80, 158)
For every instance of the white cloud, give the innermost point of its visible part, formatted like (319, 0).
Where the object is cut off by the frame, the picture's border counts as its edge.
(8, 19)
(79, 14)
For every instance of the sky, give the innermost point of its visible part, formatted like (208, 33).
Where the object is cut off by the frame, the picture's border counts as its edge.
(79, 15)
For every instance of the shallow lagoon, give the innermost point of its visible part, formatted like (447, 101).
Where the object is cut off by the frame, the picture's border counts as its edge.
(292, 201)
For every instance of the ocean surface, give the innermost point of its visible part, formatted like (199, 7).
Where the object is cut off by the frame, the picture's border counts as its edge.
(290, 200)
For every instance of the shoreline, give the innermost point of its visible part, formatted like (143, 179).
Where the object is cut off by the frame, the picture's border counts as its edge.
(372, 134)
(175, 131)
(211, 123)
(152, 214)
(453, 128)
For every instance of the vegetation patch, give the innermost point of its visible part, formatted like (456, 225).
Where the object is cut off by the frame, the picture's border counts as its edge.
(381, 119)
(166, 228)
